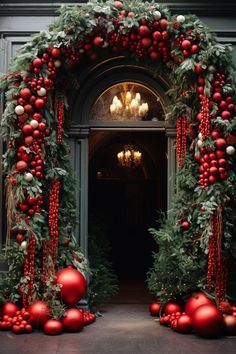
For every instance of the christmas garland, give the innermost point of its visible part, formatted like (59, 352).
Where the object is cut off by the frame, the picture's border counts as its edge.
(41, 211)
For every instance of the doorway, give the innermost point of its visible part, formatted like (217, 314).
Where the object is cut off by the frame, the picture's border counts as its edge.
(125, 202)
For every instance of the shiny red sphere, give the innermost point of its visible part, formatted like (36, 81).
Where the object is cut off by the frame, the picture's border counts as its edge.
(73, 285)
(172, 307)
(154, 308)
(73, 320)
(184, 324)
(21, 165)
(9, 309)
(39, 313)
(230, 325)
(25, 93)
(53, 327)
(198, 299)
(207, 321)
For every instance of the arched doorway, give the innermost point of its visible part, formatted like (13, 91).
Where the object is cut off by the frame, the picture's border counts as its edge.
(124, 202)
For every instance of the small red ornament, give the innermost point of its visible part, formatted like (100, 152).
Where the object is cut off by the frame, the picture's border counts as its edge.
(146, 42)
(39, 103)
(118, 4)
(154, 308)
(21, 166)
(98, 41)
(196, 300)
(186, 44)
(25, 93)
(230, 325)
(198, 69)
(73, 320)
(185, 225)
(27, 129)
(163, 23)
(195, 49)
(226, 115)
(172, 307)
(9, 309)
(217, 97)
(73, 285)
(39, 313)
(37, 63)
(184, 324)
(144, 31)
(220, 144)
(207, 321)
(56, 52)
(53, 327)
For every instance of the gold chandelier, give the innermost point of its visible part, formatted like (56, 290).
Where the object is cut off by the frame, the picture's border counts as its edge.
(128, 104)
(129, 156)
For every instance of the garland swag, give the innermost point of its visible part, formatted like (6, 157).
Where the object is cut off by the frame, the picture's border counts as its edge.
(197, 238)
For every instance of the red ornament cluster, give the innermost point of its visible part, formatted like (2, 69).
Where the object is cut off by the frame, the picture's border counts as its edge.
(181, 127)
(15, 320)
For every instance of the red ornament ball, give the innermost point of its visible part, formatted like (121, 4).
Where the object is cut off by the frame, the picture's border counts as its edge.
(144, 31)
(39, 313)
(184, 324)
(186, 44)
(9, 309)
(230, 325)
(172, 307)
(53, 327)
(146, 42)
(27, 129)
(220, 144)
(56, 52)
(98, 41)
(39, 103)
(154, 308)
(118, 4)
(25, 93)
(37, 63)
(207, 321)
(185, 225)
(73, 285)
(73, 320)
(21, 166)
(196, 300)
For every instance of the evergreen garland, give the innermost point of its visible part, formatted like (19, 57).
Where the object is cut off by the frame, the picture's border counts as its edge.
(198, 67)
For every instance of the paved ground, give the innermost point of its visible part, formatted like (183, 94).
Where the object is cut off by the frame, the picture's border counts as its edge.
(124, 328)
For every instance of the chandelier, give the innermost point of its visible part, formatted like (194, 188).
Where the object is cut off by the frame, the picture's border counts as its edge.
(129, 156)
(128, 104)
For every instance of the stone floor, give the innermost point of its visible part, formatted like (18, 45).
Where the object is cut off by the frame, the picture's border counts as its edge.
(123, 328)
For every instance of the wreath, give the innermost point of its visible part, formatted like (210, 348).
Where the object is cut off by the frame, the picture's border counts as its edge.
(196, 239)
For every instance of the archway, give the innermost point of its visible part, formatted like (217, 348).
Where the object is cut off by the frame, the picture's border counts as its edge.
(203, 107)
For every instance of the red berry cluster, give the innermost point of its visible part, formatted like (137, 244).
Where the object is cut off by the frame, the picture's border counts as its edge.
(205, 123)
(181, 127)
(53, 216)
(18, 322)
(216, 270)
(88, 317)
(178, 321)
(60, 107)
(29, 270)
(188, 42)
(224, 102)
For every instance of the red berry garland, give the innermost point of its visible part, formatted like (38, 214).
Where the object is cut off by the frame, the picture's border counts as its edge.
(181, 139)
(205, 123)
(53, 216)
(60, 108)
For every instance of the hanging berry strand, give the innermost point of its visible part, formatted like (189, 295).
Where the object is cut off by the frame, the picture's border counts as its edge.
(181, 139)
(60, 113)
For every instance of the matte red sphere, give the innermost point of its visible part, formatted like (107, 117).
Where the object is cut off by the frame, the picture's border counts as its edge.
(56, 52)
(186, 44)
(220, 144)
(144, 31)
(207, 321)
(9, 309)
(184, 324)
(226, 115)
(217, 97)
(27, 129)
(98, 41)
(172, 307)
(154, 308)
(73, 285)
(73, 320)
(25, 93)
(37, 63)
(39, 103)
(53, 327)
(185, 225)
(198, 299)
(21, 166)
(39, 313)
(230, 325)
(146, 42)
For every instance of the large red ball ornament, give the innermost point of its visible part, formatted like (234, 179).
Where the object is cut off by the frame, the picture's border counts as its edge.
(220, 144)
(207, 321)
(154, 308)
(184, 324)
(9, 309)
(73, 320)
(230, 325)
(39, 103)
(21, 166)
(25, 93)
(198, 299)
(53, 327)
(172, 307)
(39, 313)
(73, 285)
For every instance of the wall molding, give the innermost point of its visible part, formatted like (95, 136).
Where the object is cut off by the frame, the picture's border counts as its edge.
(49, 9)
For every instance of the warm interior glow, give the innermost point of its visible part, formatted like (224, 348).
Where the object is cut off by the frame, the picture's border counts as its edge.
(129, 156)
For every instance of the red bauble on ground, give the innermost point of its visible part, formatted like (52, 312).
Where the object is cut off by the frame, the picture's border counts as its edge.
(184, 324)
(172, 307)
(73, 285)
(53, 327)
(230, 325)
(196, 300)
(207, 321)
(39, 313)
(9, 309)
(73, 320)
(154, 308)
